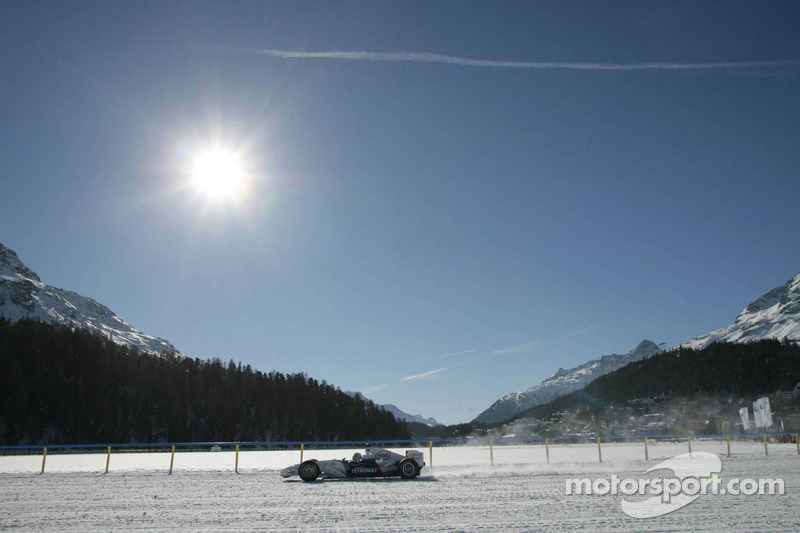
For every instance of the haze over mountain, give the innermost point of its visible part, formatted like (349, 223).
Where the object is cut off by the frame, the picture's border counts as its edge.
(563, 382)
(24, 295)
(775, 315)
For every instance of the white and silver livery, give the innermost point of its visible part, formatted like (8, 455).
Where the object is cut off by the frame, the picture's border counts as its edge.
(375, 462)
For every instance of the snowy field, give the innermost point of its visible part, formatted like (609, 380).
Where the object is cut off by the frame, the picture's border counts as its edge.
(461, 492)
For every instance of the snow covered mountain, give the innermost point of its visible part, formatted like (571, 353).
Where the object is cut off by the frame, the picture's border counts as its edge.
(402, 415)
(563, 382)
(24, 295)
(775, 315)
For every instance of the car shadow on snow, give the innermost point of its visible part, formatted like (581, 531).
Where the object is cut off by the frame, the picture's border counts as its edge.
(420, 479)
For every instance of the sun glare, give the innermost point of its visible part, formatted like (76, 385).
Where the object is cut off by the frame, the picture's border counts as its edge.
(218, 174)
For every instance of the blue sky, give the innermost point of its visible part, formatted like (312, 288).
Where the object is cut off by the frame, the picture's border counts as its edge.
(432, 231)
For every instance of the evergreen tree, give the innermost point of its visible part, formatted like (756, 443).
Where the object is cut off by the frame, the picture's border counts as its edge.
(68, 386)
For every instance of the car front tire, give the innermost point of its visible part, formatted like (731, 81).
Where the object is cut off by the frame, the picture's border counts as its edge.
(409, 469)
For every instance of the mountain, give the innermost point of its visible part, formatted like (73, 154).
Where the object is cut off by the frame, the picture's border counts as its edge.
(775, 315)
(563, 382)
(402, 415)
(680, 391)
(398, 413)
(24, 295)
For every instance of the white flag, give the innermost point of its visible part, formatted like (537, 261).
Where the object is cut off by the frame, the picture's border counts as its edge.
(745, 415)
(762, 412)
(757, 413)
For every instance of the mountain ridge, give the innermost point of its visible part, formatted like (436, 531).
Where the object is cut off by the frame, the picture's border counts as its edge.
(398, 413)
(23, 295)
(402, 415)
(563, 382)
(773, 315)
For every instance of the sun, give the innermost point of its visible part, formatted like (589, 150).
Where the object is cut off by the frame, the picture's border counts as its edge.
(218, 174)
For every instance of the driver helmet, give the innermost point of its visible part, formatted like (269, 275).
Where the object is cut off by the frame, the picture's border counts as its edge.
(356, 456)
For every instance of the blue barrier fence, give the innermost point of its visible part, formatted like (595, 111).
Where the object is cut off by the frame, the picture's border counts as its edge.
(481, 441)
(462, 441)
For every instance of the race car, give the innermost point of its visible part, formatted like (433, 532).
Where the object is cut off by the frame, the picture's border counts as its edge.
(376, 462)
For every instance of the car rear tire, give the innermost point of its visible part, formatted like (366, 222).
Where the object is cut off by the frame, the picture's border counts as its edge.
(309, 471)
(409, 469)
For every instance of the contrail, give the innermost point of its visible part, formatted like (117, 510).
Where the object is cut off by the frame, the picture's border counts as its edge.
(525, 346)
(434, 374)
(429, 57)
(518, 348)
(376, 388)
(431, 374)
(581, 331)
(452, 354)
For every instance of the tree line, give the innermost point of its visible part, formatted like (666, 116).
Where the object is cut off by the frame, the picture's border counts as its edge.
(60, 385)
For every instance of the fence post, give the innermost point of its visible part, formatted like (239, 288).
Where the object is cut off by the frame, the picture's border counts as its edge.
(689, 440)
(646, 454)
(491, 451)
(108, 458)
(430, 452)
(302, 451)
(547, 450)
(728, 441)
(172, 460)
(236, 467)
(599, 450)
(766, 450)
(44, 459)
(797, 441)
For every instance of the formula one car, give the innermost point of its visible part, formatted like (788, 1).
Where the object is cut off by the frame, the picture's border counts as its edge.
(376, 462)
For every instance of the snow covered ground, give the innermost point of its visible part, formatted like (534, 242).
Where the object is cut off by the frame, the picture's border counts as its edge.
(461, 492)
